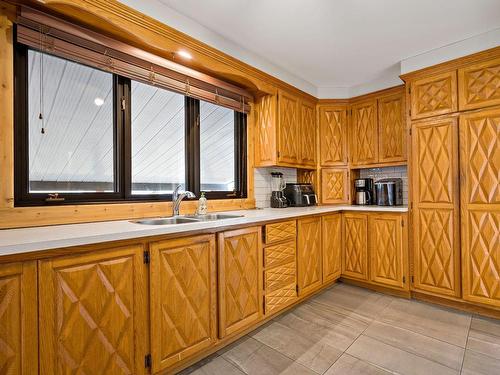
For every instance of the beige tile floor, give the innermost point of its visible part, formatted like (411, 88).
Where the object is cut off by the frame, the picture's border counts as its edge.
(348, 330)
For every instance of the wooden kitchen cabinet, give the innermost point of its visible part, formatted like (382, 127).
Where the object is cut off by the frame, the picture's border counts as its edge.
(183, 287)
(331, 246)
(355, 248)
(92, 312)
(18, 319)
(335, 185)
(436, 248)
(387, 247)
(480, 206)
(286, 131)
(392, 128)
(479, 85)
(240, 279)
(309, 268)
(435, 95)
(364, 133)
(333, 139)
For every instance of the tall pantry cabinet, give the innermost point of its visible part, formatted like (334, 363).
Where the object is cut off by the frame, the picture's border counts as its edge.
(455, 173)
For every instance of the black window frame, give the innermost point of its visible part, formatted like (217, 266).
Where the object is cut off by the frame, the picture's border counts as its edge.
(122, 147)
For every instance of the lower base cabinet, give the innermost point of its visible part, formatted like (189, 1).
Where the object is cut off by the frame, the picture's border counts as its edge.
(92, 313)
(331, 246)
(355, 253)
(18, 319)
(183, 287)
(240, 279)
(309, 269)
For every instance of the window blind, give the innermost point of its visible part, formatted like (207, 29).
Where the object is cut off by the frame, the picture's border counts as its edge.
(58, 37)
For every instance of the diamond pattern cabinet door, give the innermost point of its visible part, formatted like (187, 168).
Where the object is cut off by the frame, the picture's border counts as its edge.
(364, 133)
(436, 251)
(334, 185)
(309, 268)
(480, 206)
(331, 234)
(479, 85)
(355, 250)
(333, 135)
(288, 129)
(307, 136)
(18, 319)
(240, 279)
(281, 231)
(392, 128)
(432, 96)
(183, 299)
(92, 313)
(387, 256)
(266, 109)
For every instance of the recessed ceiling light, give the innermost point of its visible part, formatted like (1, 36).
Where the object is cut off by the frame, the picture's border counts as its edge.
(98, 101)
(185, 54)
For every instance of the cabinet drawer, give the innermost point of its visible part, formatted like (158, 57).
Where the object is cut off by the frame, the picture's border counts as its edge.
(285, 230)
(280, 276)
(280, 298)
(279, 254)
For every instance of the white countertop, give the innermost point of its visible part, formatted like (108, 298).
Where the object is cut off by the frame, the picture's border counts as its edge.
(23, 240)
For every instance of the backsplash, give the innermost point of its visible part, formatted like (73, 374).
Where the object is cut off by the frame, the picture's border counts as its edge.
(388, 172)
(262, 183)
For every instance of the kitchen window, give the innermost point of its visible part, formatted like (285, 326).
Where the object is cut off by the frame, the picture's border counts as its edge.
(85, 135)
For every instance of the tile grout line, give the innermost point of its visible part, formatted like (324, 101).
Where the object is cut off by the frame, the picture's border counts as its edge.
(466, 343)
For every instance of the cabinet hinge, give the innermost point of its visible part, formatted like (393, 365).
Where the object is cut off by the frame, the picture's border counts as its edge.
(409, 89)
(404, 279)
(409, 111)
(402, 223)
(412, 279)
(122, 103)
(147, 361)
(410, 128)
(145, 257)
(264, 304)
(297, 288)
(278, 154)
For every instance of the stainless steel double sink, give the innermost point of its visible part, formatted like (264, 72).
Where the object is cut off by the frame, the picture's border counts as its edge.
(185, 219)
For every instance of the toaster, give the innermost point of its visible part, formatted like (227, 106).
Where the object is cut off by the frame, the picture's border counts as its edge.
(389, 192)
(300, 195)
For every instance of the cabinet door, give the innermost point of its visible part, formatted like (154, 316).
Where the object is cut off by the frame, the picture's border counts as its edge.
(479, 85)
(93, 313)
(183, 299)
(18, 319)
(333, 135)
(240, 279)
(307, 136)
(480, 199)
(267, 121)
(331, 238)
(387, 256)
(355, 253)
(309, 255)
(392, 128)
(288, 129)
(364, 133)
(436, 251)
(432, 96)
(334, 185)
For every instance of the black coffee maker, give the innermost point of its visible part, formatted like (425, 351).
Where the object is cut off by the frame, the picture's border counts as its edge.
(278, 199)
(364, 191)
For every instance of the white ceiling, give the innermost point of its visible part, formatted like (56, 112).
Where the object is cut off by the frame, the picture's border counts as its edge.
(326, 43)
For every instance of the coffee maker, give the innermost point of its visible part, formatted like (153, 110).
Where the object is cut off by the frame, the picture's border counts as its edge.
(278, 199)
(364, 191)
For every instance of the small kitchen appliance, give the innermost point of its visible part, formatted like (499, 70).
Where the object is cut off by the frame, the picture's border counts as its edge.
(389, 192)
(278, 199)
(300, 195)
(364, 191)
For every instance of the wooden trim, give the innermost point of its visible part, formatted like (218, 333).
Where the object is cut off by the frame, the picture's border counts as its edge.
(377, 94)
(375, 287)
(378, 165)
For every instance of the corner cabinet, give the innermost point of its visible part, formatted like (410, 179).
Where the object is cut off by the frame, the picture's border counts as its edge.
(286, 131)
(240, 279)
(19, 319)
(355, 249)
(392, 128)
(335, 185)
(364, 133)
(333, 135)
(91, 307)
(183, 287)
(309, 268)
(331, 246)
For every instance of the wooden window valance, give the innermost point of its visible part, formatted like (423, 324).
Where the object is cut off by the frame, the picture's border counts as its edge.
(55, 36)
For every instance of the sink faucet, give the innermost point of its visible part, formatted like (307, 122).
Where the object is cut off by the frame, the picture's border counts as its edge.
(177, 199)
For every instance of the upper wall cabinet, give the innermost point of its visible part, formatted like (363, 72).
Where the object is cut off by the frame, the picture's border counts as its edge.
(333, 135)
(432, 96)
(364, 133)
(391, 124)
(286, 131)
(479, 85)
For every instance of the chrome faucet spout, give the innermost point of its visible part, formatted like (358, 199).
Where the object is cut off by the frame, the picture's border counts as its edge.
(177, 198)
